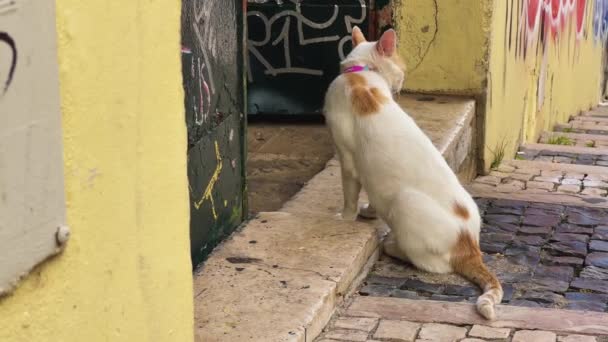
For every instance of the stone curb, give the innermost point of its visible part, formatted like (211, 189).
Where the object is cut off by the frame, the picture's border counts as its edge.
(425, 311)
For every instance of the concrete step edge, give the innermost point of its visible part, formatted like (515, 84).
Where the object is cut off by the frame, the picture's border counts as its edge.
(565, 149)
(574, 136)
(575, 126)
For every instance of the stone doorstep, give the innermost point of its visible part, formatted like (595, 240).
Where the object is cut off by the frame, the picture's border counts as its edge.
(282, 276)
(515, 317)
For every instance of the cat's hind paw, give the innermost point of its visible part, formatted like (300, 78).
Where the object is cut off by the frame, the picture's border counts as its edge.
(367, 211)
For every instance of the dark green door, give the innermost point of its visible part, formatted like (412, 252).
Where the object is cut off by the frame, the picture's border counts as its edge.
(213, 74)
(294, 50)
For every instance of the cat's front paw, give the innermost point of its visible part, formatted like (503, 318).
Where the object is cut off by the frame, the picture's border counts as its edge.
(367, 211)
(347, 216)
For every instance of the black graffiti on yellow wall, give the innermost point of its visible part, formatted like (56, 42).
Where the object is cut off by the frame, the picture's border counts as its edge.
(5, 38)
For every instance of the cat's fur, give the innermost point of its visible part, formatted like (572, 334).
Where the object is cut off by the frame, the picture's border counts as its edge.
(434, 221)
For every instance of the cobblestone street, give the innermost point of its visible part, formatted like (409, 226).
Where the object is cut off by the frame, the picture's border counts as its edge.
(545, 235)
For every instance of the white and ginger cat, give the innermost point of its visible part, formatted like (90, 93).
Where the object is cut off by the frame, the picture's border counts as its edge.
(434, 221)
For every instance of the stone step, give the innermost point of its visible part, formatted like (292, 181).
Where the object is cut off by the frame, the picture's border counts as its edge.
(281, 277)
(582, 127)
(596, 120)
(450, 123)
(564, 154)
(548, 182)
(600, 111)
(574, 139)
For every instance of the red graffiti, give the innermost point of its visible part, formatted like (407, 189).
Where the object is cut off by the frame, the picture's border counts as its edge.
(556, 15)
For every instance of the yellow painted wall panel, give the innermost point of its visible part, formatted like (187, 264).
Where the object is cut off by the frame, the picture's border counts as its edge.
(125, 274)
(539, 78)
(444, 44)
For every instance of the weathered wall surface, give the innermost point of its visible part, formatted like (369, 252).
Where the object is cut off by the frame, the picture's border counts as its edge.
(444, 44)
(545, 65)
(125, 274)
(213, 73)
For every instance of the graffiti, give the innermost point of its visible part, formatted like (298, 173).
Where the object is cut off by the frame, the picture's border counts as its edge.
(202, 107)
(535, 23)
(534, 27)
(283, 39)
(600, 20)
(7, 6)
(6, 39)
(200, 68)
(539, 18)
(208, 195)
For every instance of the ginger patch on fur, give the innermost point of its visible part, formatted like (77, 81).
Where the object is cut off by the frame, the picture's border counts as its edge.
(461, 211)
(364, 99)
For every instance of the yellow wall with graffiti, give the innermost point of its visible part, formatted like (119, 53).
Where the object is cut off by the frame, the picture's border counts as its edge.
(478, 50)
(126, 273)
(444, 44)
(538, 79)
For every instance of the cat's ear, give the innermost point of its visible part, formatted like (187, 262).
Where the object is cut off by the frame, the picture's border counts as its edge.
(358, 36)
(387, 44)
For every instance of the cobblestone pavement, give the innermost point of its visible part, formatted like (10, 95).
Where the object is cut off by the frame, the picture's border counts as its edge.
(545, 235)
(546, 255)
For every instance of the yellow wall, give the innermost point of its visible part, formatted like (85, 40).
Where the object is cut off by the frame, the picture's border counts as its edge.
(444, 44)
(126, 273)
(531, 92)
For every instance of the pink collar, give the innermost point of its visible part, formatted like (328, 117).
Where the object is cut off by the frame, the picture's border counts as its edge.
(356, 68)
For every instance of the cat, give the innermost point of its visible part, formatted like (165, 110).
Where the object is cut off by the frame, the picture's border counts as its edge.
(434, 221)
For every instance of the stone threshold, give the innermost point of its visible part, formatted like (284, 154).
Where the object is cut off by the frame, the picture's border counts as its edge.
(281, 277)
(515, 317)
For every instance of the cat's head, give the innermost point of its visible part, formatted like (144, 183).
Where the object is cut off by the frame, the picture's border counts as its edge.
(381, 56)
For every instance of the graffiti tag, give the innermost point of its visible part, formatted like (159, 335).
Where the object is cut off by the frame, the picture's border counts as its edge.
(6, 39)
(208, 194)
(301, 21)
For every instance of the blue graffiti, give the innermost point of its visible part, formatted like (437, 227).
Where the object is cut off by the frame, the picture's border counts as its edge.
(600, 20)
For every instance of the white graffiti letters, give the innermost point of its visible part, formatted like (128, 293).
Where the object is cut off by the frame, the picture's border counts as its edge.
(283, 38)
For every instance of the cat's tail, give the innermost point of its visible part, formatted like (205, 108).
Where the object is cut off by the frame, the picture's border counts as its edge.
(466, 260)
